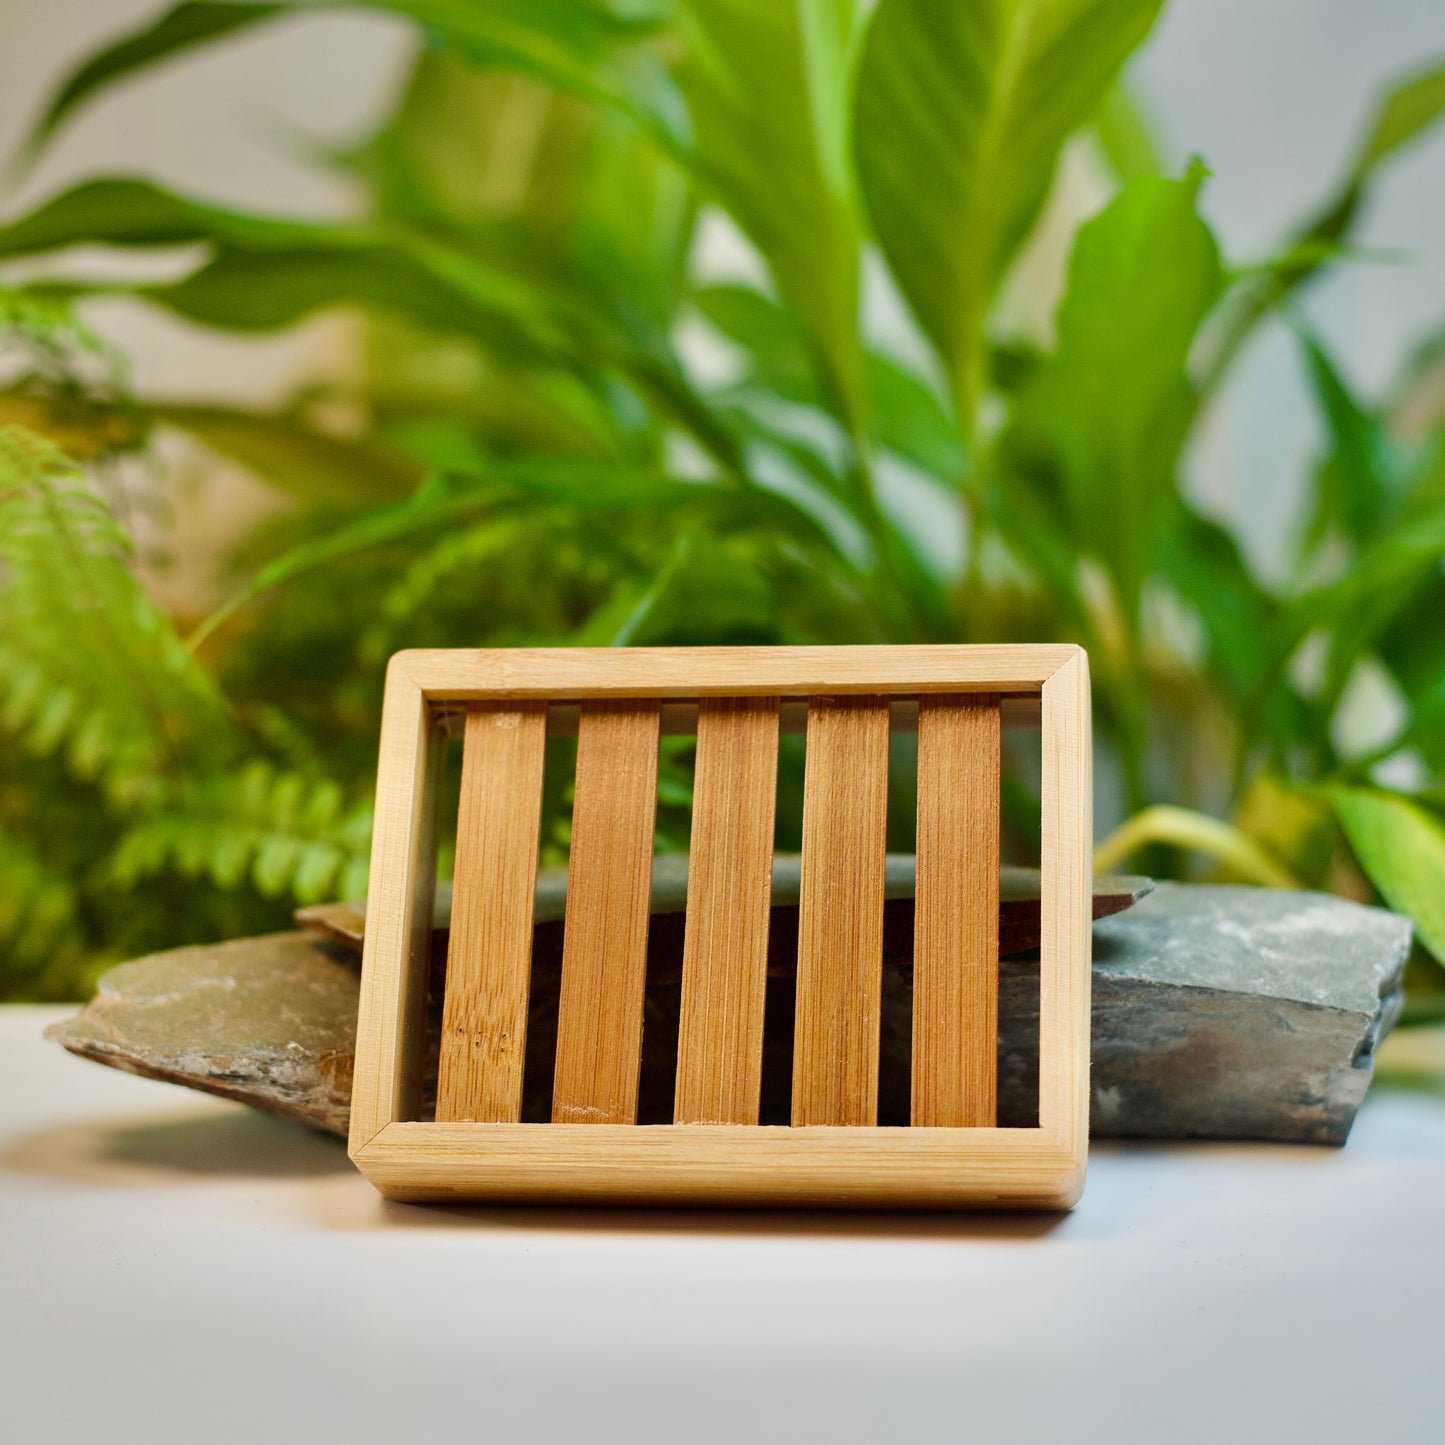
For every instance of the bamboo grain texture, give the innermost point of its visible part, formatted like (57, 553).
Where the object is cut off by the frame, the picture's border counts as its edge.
(955, 936)
(840, 913)
(604, 943)
(489, 963)
(729, 898)
(618, 702)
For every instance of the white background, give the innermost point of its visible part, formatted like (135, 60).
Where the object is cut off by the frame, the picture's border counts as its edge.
(177, 1269)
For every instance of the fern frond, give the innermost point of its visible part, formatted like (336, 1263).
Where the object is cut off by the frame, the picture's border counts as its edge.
(287, 833)
(40, 928)
(88, 663)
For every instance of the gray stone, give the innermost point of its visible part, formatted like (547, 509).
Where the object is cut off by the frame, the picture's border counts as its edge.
(269, 1021)
(1219, 1012)
(1241, 1012)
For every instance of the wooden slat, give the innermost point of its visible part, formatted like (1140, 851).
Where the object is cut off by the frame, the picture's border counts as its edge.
(1066, 939)
(604, 942)
(840, 921)
(729, 887)
(955, 938)
(692, 672)
(391, 1014)
(722, 1164)
(484, 1016)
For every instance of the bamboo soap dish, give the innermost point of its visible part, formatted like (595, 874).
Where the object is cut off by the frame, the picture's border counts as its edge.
(504, 704)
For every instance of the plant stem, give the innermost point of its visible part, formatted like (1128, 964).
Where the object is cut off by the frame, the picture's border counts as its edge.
(1198, 833)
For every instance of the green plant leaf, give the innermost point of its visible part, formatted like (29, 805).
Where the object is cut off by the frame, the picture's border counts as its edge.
(196, 22)
(1123, 128)
(1412, 646)
(286, 833)
(294, 457)
(1203, 563)
(908, 417)
(768, 86)
(1099, 427)
(539, 483)
(39, 913)
(88, 663)
(129, 212)
(1403, 114)
(1401, 845)
(568, 43)
(1197, 833)
(1368, 601)
(961, 112)
(1357, 477)
(265, 273)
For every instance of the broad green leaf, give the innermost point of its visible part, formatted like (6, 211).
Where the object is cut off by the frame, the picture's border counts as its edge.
(571, 44)
(1203, 563)
(468, 146)
(444, 291)
(1403, 114)
(1412, 646)
(768, 86)
(294, 457)
(1356, 477)
(1122, 126)
(128, 212)
(486, 156)
(908, 417)
(961, 112)
(1371, 601)
(1401, 846)
(1100, 426)
(636, 210)
(194, 23)
(267, 273)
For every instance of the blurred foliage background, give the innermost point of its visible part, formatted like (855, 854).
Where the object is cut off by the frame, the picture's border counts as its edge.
(557, 430)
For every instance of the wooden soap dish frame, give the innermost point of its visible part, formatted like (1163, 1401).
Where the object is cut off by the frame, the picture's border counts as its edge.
(735, 699)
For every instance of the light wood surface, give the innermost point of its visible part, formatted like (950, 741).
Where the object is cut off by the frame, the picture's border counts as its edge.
(692, 672)
(840, 914)
(706, 1164)
(729, 890)
(489, 962)
(955, 934)
(391, 1013)
(609, 885)
(595, 1151)
(1066, 906)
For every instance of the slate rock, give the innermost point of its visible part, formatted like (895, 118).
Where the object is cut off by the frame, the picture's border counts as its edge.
(1252, 1013)
(1219, 1013)
(270, 1021)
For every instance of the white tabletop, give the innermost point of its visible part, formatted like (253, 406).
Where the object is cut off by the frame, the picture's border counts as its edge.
(176, 1268)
